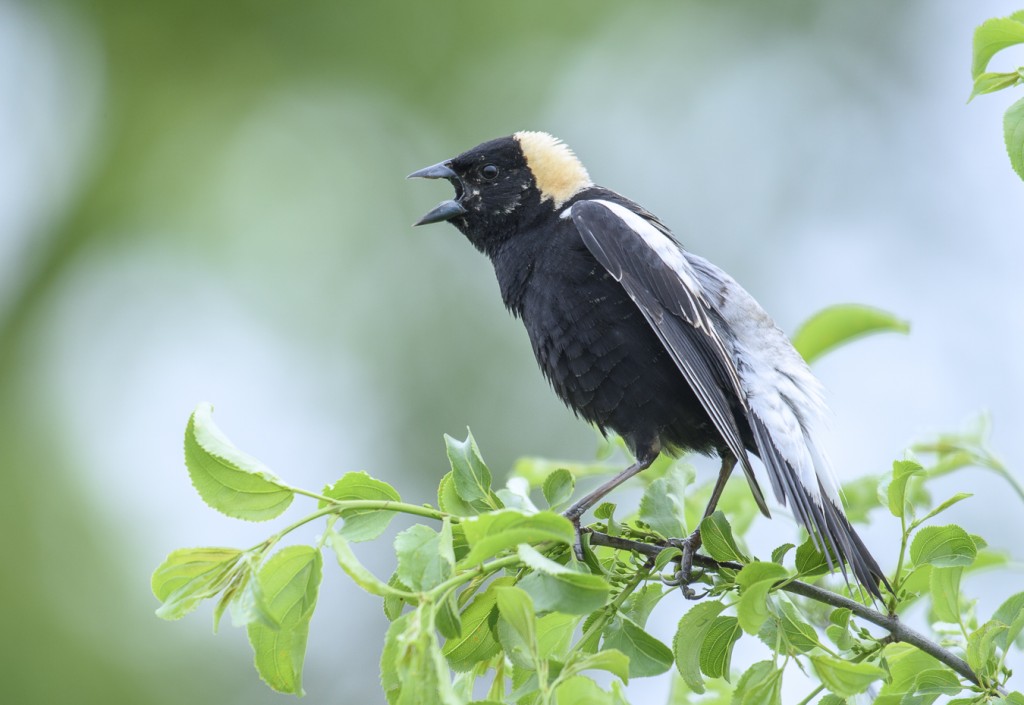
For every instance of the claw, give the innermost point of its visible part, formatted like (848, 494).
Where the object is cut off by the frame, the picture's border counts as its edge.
(684, 575)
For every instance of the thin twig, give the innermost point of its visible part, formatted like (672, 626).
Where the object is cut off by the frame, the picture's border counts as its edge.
(898, 631)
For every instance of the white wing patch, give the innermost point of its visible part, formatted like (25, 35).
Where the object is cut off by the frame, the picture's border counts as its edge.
(780, 388)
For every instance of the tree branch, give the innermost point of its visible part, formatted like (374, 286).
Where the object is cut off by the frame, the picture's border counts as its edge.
(898, 631)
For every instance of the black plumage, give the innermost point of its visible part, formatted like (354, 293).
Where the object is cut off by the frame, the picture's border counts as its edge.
(640, 337)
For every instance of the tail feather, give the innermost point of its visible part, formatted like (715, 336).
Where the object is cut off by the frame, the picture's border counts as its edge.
(823, 517)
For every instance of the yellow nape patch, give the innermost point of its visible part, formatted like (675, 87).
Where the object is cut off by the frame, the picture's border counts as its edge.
(557, 171)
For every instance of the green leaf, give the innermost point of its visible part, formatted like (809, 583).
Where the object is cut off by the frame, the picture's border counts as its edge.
(904, 663)
(580, 690)
(611, 660)
(471, 475)
(1013, 134)
(693, 628)
(449, 500)
(832, 699)
(716, 651)
(516, 608)
(837, 325)
(393, 603)
(717, 539)
(902, 471)
(861, 497)
(289, 582)
(761, 684)
(556, 588)
(491, 533)
(937, 681)
(639, 605)
(536, 470)
(992, 82)
(799, 634)
(190, 575)
(1010, 613)
(779, 554)
(945, 590)
(413, 670)
(477, 642)
(981, 647)
(756, 581)
(845, 678)
(230, 481)
(992, 37)
(425, 557)
(1014, 698)
(958, 497)
(662, 506)
(647, 655)
(356, 570)
(362, 524)
(840, 636)
(558, 488)
(809, 560)
(943, 546)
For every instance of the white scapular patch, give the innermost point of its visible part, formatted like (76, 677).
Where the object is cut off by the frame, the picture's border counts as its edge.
(780, 388)
(662, 245)
(556, 170)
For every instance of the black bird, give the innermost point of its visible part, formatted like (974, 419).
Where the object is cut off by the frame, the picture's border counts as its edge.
(639, 336)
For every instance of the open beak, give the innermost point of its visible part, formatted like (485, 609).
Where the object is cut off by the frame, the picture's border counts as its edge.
(445, 210)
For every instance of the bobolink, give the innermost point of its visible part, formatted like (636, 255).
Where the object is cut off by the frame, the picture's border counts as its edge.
(639, 336)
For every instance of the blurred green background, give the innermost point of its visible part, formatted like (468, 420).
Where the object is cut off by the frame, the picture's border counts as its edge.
(206, 201)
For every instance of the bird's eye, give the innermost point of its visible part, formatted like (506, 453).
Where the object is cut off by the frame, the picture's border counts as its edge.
(489, 171)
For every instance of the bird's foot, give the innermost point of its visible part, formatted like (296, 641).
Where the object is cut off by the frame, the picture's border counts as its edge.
(684, 573)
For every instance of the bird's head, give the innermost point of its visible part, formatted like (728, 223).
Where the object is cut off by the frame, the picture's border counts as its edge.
(504, 183)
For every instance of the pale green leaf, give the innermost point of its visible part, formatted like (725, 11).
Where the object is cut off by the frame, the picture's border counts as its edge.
(558, 488)
(943, 546)
(289, 582)
(491, 533)
(902, 471)
(190, 575)
(362, 524)
(555, 587)
(693, 628)
(425, 557)
(958, 497)
(799, 634)
(611, 660)
(981, 646)
(845, 678)
(355, 569)
(717, 539)
(716, 651)
(580, 690)
(761, 684)
(230, 481)
(449, 500)
(1013, 134)
(840, 324)
(1010, 613)
(992, 82)
(991, 37)
(472, 476)
(647, 655)
(945, 591)
(516, 608)
(662, 506)
(477, 642)
(756, 580)
(937, 681)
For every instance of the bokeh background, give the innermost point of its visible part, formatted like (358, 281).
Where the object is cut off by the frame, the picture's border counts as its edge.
(206, 201)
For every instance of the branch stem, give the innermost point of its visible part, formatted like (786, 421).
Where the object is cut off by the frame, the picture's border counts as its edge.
(898, 631)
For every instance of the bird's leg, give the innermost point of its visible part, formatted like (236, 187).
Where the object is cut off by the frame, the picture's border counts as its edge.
(691, 543)
(576, 511)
